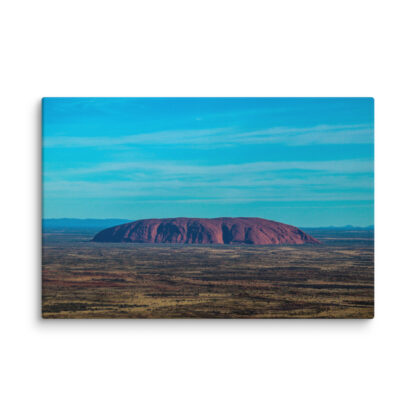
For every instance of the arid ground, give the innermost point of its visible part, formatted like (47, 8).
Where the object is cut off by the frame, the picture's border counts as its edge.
(84, 279)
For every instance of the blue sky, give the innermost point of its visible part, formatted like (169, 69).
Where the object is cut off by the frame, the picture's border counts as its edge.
(303, 161)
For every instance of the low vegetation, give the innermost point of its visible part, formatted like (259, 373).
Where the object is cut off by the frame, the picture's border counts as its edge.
(84, 279)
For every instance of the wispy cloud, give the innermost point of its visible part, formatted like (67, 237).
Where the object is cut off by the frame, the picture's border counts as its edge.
(322, 134)
(112, 156)
(207, 192)
(170, 168)
(219, 137)
(262, 181)
(160, 137)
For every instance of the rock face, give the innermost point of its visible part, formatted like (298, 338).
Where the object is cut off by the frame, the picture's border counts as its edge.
(206, 231)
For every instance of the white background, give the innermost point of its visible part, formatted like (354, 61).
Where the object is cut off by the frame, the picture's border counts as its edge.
(212, 48)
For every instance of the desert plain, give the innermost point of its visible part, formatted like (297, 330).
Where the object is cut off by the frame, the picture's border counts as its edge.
(86, 279)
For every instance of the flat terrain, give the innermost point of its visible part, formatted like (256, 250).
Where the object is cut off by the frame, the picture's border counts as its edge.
(84, 279)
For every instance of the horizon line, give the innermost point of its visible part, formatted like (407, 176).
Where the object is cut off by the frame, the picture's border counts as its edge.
(130, 220)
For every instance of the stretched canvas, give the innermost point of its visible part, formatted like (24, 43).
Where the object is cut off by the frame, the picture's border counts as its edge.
(208, 208)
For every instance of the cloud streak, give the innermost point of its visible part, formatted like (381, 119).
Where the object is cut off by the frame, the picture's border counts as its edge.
(170, 168)
(203, 192)
(220, 137)
(262, 181)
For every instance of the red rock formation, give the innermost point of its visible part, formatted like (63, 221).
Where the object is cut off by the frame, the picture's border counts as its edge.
(206, 231)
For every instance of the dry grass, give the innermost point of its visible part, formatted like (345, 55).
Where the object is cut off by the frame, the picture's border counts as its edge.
(82, 279)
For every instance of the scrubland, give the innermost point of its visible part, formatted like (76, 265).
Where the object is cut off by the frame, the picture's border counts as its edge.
(84, 279)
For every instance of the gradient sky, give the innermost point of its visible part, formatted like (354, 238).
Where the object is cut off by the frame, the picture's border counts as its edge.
(302, 161)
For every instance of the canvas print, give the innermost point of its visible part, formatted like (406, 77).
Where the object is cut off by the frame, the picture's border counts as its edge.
(208, 208)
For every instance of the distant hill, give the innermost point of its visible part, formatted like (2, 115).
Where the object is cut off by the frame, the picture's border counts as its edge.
(68, 224)
(257, 231)
(341, 228)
